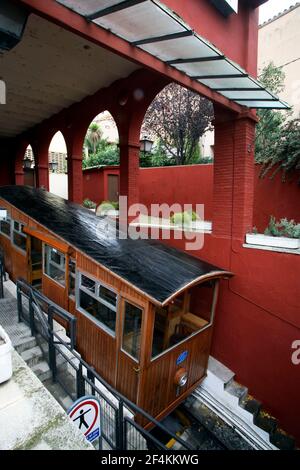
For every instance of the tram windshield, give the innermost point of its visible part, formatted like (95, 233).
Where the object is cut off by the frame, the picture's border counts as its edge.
(186, 315)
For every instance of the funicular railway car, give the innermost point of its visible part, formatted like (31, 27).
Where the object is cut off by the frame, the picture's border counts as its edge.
(144, 310)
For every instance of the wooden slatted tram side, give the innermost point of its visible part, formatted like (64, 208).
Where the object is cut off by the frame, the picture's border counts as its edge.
(141, 345)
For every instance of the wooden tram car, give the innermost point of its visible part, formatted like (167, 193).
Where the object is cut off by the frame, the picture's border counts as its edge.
(144, 310)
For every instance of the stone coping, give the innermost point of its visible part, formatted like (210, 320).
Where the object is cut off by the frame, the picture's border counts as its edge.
(272, 248)
(31, 419)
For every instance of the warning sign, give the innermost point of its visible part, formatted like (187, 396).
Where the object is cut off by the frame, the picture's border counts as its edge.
(85, 414)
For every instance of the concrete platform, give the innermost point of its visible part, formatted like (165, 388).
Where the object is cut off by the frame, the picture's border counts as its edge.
(31, 419)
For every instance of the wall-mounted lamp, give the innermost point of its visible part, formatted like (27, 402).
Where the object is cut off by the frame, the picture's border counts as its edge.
(146, 145)
(53, 166)
(27, 163)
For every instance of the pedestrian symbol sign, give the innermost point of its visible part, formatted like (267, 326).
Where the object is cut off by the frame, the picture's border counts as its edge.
(85, 414)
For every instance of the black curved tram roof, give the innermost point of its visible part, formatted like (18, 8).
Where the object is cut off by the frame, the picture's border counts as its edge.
(158, 271)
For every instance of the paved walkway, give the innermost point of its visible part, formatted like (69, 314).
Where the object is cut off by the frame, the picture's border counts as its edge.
(31, 419)
(30, 416)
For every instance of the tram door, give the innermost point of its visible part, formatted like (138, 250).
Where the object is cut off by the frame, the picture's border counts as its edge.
(128, 373)
(35, 262)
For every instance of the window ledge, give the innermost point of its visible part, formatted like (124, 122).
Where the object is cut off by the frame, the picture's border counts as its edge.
(272, 248)
(200, 227)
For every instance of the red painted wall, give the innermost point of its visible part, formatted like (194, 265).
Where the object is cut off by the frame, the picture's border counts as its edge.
(273, 197)
(258, 312)
(95, 183)
(93, 187)
(256, 324)
(236, 36)
(192, 184)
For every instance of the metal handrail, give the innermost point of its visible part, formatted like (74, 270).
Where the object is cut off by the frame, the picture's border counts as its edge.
(2, 275)
(52, 308)
(24, 288)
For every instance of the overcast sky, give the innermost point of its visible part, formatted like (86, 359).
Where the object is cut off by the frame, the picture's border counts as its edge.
(273, 7)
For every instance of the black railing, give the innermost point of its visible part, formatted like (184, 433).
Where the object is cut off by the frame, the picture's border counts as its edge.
(2, 275)
(120, 431)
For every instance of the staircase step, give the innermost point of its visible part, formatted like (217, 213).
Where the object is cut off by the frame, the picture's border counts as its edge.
(59, 394)
(220, 371)
(266, 422)
(251, 405)
(23, 344)
(32, 356)
(42, 371)
(237, 390)
(282, 440)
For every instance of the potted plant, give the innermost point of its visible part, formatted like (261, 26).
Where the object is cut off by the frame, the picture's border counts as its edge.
(88, 204)
(282, 234)
(182, 219)
(108, 208)
(189, 220)
(5, 357)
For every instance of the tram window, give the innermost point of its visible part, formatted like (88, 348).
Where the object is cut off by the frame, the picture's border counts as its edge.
(180, 320)
(91, 301)
(108, 295)
(131, 342)
(5, 225)
(55, 265)
(18, 237)
(88, 284)
(72, 277)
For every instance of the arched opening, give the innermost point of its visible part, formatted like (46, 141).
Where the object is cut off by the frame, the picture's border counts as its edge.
(177, 145)
(29, 167)
(178, 123)
(58, 166)
(101, 160)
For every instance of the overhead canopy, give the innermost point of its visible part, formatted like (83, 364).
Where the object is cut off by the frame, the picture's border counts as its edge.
(158, 271)
(151, 26)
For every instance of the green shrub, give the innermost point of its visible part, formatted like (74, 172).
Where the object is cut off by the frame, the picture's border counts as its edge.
(283, 228)
(184, 218)
(89, 204)
(109, 205)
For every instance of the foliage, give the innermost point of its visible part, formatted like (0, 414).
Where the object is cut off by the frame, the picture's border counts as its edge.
(109, 155)
(178, 118)
(93, 138)
(109, 205)
(184, 218)
(278, 136)
(100, 151)
(158, 157)
(285, 152)
(89, 204)
(283, 228)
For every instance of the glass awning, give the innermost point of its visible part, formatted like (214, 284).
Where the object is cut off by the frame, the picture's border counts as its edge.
(152, 27)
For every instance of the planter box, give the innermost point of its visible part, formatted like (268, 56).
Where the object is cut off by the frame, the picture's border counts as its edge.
(276, 242)
(5, 357)
(110, 213)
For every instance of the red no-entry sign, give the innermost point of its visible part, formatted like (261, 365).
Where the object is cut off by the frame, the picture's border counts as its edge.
(85, 414)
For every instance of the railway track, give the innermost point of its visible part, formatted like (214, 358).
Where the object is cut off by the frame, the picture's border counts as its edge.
(201, 429)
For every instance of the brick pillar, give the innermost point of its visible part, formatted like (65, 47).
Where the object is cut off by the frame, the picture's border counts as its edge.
(233, 176)
(223, 178)
(129, 172)
(75, 179)
(42, 176)
(19, 177)
(19, 171)
(243, 194)
(41, 157)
